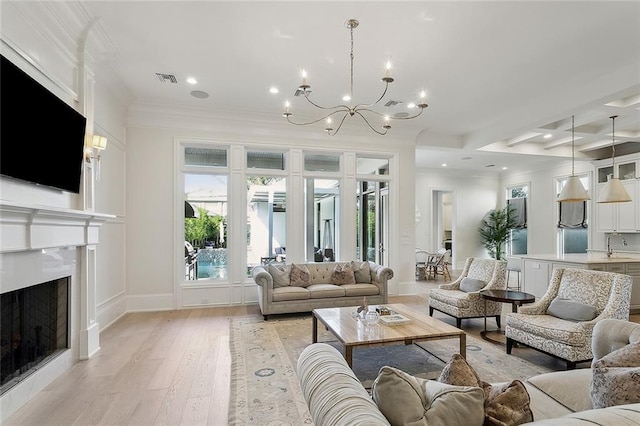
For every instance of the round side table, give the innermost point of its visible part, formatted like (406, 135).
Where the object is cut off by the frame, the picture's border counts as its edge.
(516, 298)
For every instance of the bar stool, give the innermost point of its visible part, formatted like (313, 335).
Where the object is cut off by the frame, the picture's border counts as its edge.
(513, 264)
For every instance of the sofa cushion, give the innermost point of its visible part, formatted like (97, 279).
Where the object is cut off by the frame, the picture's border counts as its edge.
(409, 400)
(571, 310)
(280, 274)
(616, 377)
(569, 388)
(455, 298)
(362, 271)
(360, 289)
(321, 291)
(282, 294)
(469, 285)
(550, 328)
(300, 276)
(504, 404)
(342, 274)
(620, 415)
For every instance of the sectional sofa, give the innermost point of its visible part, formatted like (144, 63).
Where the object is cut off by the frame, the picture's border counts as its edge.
(335, 396)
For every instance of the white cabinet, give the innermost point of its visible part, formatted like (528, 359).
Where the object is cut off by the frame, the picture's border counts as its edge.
(537, 275)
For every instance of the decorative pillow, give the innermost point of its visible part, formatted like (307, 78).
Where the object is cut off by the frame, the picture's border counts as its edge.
(458, 372)
(300, 276)
(571, 310)
(504, 405)
(342, 274)
(362, 271)
(280, 275)
(616, 377)
(469, 285)
(405, 399)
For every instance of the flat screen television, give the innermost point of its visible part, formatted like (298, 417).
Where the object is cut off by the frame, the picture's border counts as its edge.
(41, 136)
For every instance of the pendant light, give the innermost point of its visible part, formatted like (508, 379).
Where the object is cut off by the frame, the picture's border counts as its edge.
(573, 191)
(614, 191)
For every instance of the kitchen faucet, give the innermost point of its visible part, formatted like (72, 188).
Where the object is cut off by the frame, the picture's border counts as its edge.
(609, 251)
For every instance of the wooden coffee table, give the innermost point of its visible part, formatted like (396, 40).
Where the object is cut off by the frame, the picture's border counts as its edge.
(353, 332)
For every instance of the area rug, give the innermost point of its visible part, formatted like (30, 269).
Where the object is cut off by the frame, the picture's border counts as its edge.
(265, 388)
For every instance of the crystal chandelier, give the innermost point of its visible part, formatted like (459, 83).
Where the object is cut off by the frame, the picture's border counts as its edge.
(364, 111)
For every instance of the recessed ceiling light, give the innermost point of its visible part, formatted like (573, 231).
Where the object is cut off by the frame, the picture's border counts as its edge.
(444, 164)
(346, 98)
(199, 94)
(274, 90)
(547, 136)
(192, 80)
(411, 105)
(504, 168)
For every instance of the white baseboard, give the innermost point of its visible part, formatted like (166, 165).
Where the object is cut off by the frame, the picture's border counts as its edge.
(110, 311)
(150, 302)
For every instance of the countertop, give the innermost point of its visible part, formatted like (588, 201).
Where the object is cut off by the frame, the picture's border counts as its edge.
(585, 258)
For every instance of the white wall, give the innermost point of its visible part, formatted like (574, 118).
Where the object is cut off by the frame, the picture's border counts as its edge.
(472, 196)
(150, 210)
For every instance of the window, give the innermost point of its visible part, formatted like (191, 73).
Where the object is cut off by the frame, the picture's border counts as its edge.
(573, 235)
(322, 206)
(265, 160)
(205, 234)
(266, 219)
(321, 163)
(517, 197)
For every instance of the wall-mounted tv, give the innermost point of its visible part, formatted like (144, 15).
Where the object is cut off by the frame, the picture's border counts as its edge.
(41, 136)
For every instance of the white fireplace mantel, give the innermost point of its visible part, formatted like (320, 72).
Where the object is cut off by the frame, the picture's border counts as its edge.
(33, 227)
(27, 232)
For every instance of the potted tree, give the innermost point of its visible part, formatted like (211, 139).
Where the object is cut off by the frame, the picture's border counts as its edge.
(495, 230)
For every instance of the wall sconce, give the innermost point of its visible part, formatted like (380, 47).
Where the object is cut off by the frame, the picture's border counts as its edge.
(94, 145)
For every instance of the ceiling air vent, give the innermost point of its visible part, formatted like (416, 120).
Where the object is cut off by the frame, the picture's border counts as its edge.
(166, 78)
(300, 92)
(392, 103)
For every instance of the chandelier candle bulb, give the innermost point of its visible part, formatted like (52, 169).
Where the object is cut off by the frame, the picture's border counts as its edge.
(365, 111)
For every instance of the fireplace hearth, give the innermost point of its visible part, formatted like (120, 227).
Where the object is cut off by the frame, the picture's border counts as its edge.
(34, 328)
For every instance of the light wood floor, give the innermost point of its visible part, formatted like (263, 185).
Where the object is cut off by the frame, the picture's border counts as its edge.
(162, 368)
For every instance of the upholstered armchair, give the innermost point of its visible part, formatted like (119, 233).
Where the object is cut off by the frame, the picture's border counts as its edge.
(451, 300)
(566, 333)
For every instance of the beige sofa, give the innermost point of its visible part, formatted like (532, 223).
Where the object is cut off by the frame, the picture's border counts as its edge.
(336, 397)
(276, 298)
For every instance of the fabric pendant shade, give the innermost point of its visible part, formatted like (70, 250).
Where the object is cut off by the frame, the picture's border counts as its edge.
(614, 192)
(573, 191)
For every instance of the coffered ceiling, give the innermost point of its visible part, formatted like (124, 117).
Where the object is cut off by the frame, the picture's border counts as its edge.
(502, 78)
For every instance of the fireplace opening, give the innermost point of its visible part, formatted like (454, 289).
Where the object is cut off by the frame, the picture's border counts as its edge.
(33, 329)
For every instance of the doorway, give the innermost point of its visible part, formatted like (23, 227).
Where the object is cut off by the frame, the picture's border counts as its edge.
(443, 221)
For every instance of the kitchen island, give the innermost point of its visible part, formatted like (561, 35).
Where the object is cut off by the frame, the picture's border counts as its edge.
(537, 269)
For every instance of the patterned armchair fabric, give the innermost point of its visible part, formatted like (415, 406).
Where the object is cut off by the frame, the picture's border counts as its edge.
(609, 293)
(449, 299)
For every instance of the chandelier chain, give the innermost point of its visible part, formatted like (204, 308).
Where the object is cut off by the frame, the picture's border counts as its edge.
(573, 157)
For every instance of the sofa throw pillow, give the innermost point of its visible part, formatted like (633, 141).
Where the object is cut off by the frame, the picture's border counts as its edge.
(616, 377)
(300, 276)
(342, 274)
(469, 285)
(571, 310)
(409, 400)
(505, 405)
(362, 271)
(280, 275)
